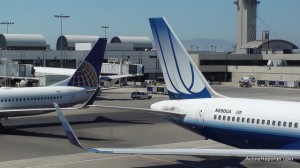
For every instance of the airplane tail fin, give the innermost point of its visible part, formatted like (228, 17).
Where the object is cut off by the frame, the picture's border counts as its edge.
(183, 78)
(88, 72)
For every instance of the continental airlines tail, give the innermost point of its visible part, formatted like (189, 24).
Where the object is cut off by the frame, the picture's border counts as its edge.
(183, 78)
(88, 72)
(82, 86)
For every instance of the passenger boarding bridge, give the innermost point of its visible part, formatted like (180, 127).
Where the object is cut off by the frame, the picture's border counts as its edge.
(11, 70)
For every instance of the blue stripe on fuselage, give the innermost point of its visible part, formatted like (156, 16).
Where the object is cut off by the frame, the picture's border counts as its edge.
(244, 137)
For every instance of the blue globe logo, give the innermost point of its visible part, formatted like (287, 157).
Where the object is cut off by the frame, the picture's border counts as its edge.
(84, 76)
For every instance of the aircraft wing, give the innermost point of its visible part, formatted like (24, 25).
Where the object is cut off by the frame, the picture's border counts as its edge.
(242, 153)
(110, 77)
(173, 113)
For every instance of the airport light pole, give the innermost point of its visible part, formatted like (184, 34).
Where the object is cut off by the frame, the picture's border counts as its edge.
(61, 16)
(104, 27)
(192, 48)
(7, 23)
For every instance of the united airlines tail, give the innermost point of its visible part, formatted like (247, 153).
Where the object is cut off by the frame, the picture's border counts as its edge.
(88, 72)
(183, 78)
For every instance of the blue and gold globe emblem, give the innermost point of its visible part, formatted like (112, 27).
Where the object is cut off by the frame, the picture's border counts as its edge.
(85, 75)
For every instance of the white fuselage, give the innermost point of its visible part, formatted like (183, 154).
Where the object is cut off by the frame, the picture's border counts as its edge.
(244, 118)
(40, 97)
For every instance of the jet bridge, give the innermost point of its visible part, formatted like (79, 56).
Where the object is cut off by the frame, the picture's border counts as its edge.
(11, 70)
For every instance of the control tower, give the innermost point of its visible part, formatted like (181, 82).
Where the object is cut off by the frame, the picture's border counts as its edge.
(246, 23)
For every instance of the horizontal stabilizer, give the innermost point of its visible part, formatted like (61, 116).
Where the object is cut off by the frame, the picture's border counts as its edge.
(92, 98)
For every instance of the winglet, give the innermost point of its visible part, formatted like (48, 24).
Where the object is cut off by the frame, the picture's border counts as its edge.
(68, 129)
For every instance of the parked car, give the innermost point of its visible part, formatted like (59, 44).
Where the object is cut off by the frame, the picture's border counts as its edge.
(140, 95)
(246, 82)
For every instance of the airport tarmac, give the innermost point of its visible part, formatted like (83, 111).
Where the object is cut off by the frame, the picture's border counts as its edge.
(39, 141)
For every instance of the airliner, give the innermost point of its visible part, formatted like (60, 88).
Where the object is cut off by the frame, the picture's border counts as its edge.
(258, 128)
(78, 88)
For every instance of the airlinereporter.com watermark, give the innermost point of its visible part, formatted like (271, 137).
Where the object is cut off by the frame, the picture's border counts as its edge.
(269, 159)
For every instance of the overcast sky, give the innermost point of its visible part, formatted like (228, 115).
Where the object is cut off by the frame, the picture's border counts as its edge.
(190, 19)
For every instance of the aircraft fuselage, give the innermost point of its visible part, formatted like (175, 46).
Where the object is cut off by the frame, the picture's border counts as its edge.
(243, 123)
(39, 97)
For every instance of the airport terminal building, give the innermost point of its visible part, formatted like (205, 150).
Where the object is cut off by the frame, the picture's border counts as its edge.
(221, 66)
(71, 49)
(264, 59)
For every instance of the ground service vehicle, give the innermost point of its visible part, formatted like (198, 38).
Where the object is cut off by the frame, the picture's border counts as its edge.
(140, 95)
(245, 82)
